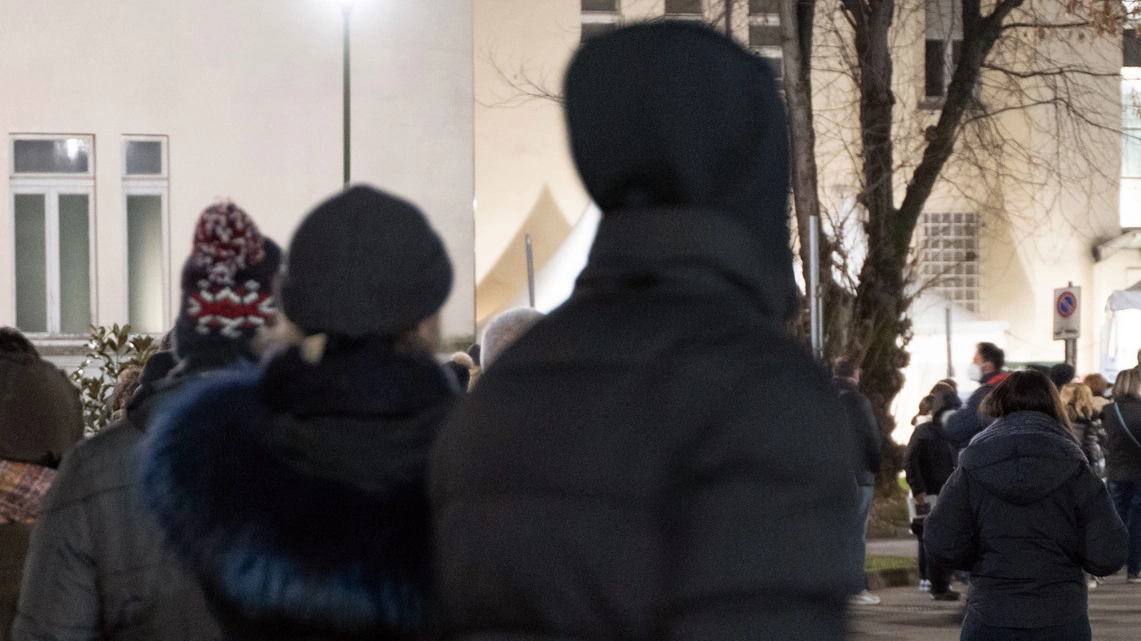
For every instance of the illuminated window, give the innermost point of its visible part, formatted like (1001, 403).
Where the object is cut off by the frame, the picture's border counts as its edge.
(52, 214)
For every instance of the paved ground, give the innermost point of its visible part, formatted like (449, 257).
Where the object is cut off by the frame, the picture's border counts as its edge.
(907, 615)
(893, 547)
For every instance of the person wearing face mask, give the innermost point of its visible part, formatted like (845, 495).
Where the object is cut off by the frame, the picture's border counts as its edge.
(986, 368)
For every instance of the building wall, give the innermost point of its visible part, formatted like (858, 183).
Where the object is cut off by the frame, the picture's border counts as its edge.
(1044, 203)
(250, 96)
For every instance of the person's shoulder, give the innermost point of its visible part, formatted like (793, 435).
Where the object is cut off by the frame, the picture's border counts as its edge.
(923, 431)
(98, 464)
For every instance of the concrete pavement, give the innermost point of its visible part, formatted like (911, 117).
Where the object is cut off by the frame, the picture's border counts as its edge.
(905, 614)
(893, 547)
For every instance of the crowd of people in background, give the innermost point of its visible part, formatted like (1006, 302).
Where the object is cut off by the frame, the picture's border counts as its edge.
(655, 459)
(1030, 489)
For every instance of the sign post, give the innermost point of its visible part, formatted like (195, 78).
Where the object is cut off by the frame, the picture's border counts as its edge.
(1067, 326)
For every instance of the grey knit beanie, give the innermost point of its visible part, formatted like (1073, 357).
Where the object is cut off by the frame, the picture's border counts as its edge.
(504, 330)
(364, 263)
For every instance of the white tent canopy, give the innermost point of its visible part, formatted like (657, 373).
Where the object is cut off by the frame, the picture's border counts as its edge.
(555, 281)
(928, 349)
(1121, 336)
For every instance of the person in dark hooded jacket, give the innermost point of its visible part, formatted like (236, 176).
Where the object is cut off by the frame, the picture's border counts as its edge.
(657, 458)
(960, 426)
(41, 416)
(296, 492)
(1026, 514)
(98, 567)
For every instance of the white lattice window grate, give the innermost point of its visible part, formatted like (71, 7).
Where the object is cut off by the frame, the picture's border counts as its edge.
(949, 259)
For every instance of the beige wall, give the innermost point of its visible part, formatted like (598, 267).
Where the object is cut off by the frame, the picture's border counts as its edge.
(1040, 225)
(525, 181)
(1045, 202)
(249, 94)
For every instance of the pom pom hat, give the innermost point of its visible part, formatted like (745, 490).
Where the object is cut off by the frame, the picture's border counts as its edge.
(227, 283)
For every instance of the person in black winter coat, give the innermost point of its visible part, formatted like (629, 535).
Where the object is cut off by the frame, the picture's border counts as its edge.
(929, 462)
(1025, 513)
(296, 492)
(41, 416)
(865, 432)
(1122, 420)
(657, 458)
(961, 426)
(98, 567)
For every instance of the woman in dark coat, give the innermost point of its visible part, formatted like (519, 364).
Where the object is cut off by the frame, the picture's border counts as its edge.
(1122, 420)
(929, 462)
(296, 492)
(1026, 515)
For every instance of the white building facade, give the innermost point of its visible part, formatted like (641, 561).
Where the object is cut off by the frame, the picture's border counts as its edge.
(122, 121)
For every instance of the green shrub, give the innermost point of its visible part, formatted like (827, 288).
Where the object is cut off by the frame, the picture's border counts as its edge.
(110, 350)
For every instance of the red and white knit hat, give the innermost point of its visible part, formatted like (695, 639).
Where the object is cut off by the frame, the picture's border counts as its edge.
(227, 282)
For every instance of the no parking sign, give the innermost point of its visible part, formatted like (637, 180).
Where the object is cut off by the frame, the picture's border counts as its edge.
(1067, 303)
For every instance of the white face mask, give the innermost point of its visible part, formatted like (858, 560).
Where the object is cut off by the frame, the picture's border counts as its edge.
(975, 372)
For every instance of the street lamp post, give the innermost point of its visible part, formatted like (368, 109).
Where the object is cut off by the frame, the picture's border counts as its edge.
(346, 11)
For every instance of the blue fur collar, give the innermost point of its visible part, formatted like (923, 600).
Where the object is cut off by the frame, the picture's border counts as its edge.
(297, 520)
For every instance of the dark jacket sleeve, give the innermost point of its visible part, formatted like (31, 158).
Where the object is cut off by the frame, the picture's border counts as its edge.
(949, 533)
(59, 596)
(1104, 538)
(913, 465)
(961, 426)
(858, 410)
(754, 535)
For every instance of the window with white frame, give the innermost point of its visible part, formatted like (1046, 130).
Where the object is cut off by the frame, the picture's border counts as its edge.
(764, 33)
(943, 43)
(949, 259)
(599, 17)
(52, 206)
(146, 216)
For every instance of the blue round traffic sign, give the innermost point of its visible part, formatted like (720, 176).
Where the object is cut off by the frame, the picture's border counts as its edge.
(1067, 304)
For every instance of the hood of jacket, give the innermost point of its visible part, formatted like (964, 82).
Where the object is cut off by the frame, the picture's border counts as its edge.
(296, 493)
(1023, 458)
(673, 117)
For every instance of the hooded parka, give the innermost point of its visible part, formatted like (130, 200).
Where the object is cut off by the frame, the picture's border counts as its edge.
(656, 459)
(1026, 514)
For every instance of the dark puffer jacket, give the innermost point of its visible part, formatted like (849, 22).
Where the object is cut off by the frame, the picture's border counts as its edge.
(656, 459)
(297, 494)
(1122, 454)
(930, 459)
(865, 432)
(963, 424)
(97, 567)
(1026, 515)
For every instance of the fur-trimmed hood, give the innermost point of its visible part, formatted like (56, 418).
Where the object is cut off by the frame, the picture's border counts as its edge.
(296, 493)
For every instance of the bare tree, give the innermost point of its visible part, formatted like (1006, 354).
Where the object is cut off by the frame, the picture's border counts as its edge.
(870, 260)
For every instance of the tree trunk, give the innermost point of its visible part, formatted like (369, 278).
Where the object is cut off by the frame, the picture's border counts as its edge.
(881, 324)
(796, 24)
(879, 318)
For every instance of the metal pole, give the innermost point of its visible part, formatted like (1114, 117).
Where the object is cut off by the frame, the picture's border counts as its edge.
(950, 366)
(814, 303)
(346, 11)
(530, 271)
(1072, 343)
